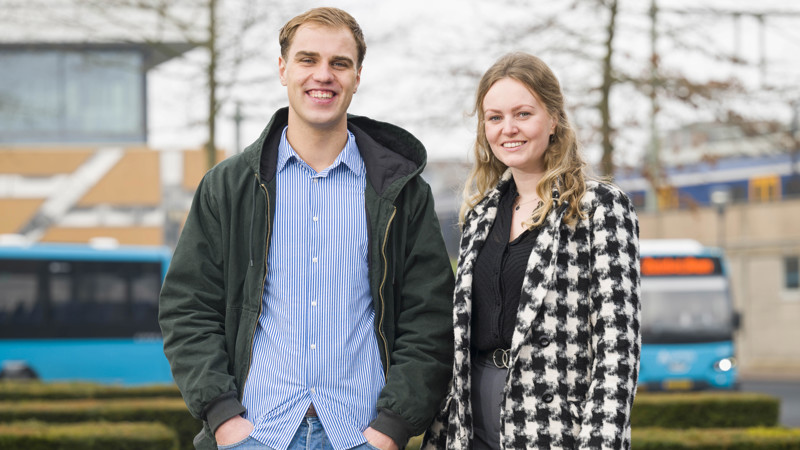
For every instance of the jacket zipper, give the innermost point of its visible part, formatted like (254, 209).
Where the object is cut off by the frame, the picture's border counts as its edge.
(380, 292)
(260, 303)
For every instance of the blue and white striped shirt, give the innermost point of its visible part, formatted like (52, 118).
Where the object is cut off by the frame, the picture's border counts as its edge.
(315, 340)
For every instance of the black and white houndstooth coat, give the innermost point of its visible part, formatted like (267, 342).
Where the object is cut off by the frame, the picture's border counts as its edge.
(575, 348)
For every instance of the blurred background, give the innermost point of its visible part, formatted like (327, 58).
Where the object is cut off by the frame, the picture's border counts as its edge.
(112, 110)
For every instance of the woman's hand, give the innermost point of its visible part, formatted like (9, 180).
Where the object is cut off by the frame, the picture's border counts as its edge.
(233, 430)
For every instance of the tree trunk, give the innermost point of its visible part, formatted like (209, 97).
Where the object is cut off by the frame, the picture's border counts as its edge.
(607, 160)
(211, 147)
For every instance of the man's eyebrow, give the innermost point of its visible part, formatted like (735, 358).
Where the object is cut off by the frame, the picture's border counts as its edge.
(304, 54)
(344, 59)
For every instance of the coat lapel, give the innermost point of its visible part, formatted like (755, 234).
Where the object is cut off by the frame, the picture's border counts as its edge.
(539, 274)
(476, 230)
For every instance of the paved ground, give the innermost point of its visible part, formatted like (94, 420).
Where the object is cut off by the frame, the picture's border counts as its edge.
(784, 386)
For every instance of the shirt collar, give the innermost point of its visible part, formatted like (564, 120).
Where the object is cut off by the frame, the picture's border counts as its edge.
(349, 156)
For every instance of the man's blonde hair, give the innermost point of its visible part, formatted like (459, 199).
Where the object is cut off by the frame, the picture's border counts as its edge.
(330, 17)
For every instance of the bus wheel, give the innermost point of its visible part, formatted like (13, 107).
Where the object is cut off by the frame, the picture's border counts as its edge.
(17, 370)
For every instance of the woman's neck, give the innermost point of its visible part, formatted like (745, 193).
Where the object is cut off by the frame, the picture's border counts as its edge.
(526, 183)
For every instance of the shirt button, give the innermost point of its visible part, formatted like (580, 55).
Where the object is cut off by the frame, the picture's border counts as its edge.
(314, 259)
(312, 391)
(313, 303)
(544, 342)
(313, 346)
(315, 218)
(316, 180)
(547, 398)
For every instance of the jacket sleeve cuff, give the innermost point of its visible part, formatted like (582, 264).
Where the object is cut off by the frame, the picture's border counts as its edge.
(393, 426)
(221, 409)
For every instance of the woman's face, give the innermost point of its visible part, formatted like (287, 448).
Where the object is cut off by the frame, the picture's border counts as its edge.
(517, 126)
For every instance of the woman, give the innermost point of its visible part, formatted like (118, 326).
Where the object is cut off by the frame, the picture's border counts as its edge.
(546, 307)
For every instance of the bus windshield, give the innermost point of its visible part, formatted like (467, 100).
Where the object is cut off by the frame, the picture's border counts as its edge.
(684, 310)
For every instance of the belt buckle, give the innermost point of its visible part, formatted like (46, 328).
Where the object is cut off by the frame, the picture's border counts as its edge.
(504, 358)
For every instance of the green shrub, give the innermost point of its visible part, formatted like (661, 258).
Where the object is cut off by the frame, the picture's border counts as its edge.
(29, 390)
(705, 410)
(716, 439)
(34, 435)
(171, 412)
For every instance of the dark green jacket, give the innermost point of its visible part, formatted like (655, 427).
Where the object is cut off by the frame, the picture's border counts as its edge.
(211, 299)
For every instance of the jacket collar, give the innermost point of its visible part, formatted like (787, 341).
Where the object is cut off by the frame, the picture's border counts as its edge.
(389, 152)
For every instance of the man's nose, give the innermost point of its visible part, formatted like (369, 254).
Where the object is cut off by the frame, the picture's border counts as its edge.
(323, 73)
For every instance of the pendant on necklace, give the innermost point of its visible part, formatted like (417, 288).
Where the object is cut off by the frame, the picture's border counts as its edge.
(517, 208)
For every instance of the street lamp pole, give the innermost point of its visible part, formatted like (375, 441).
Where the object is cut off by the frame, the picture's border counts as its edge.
(720, 198)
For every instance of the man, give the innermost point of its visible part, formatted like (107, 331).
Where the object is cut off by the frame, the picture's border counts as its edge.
(308, 302)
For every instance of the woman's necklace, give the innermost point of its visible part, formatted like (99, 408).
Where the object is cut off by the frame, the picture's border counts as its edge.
(516, 208)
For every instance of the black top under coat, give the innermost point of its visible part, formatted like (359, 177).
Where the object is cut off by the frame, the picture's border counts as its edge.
(497, 279)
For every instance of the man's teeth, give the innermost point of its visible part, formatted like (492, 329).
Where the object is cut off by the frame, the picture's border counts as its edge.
(319, 94)
(512, 144)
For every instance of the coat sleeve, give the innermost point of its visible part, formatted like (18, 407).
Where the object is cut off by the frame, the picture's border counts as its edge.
(192, 314)
(422, 354)
(615, 319)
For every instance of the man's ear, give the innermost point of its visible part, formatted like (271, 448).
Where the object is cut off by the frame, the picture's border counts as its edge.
(282, 70)
(358, 79)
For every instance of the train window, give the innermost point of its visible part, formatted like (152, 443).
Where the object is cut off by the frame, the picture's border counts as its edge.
(667, 197)
(791, 187)
(791, 270)
(766, 188)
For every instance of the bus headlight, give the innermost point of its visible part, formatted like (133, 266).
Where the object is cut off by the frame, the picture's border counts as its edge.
(725, 364)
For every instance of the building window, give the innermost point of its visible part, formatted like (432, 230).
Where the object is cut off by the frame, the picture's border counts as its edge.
(791, 270)
(68, 96)
(766, 188)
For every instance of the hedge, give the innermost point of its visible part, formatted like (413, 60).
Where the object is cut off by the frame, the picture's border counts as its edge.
(705, 410)
(29, 390)
(171, 412)
(34, 435)
(716, 439)
(703, 439)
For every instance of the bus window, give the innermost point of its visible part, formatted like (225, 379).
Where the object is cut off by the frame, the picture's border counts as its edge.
(19, 283)
(79, 298)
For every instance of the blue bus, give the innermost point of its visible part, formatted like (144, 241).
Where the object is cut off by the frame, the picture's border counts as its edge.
(74, 312)
(688, 318)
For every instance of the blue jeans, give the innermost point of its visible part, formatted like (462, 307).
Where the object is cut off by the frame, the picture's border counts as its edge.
(309, 436)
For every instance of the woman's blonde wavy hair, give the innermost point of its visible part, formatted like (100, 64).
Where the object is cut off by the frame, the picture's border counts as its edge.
(564, 166)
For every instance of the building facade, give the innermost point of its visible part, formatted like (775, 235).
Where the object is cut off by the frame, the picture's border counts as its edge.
(74, 160)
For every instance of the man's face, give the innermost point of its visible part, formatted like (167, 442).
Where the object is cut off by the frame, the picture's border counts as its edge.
(320, 75)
